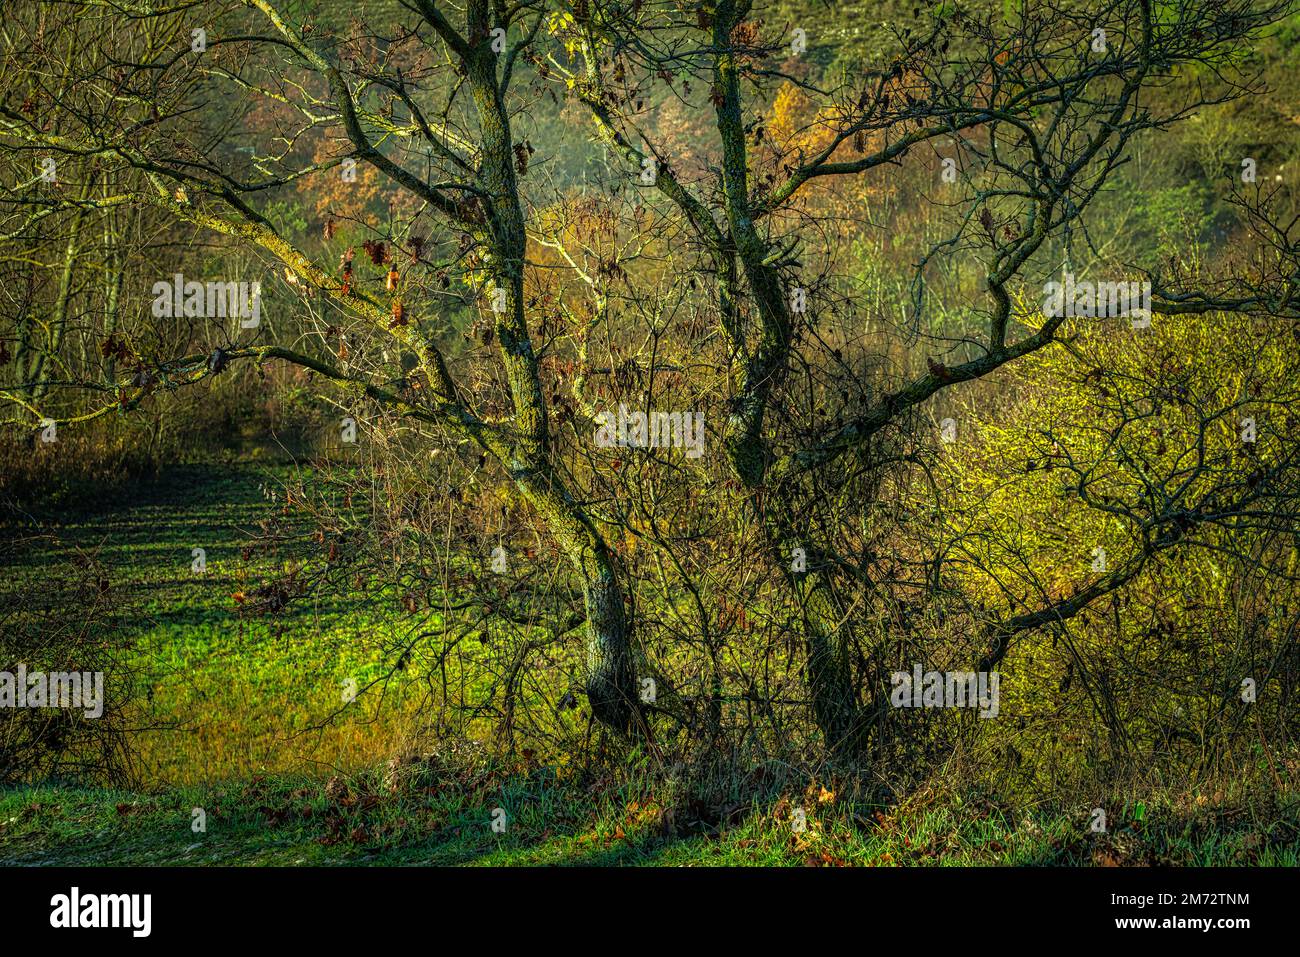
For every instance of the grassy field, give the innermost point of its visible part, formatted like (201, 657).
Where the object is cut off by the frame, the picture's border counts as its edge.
(242, 691)
(243, 694)
(365, 821)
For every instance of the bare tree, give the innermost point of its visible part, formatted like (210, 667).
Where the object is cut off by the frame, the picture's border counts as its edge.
(1035, 116)
(1040, 115)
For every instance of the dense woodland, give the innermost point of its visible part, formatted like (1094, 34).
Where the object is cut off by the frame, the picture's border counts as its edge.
(434, 265)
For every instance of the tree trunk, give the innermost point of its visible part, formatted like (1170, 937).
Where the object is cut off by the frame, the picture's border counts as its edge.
(59, 318)
(829, 678)
(611, 672)
(610, 666)
(830, 682)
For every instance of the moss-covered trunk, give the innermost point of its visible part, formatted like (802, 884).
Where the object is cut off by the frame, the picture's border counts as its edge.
(611, 670)
(611, 673)
(828, 670)
(827, 640)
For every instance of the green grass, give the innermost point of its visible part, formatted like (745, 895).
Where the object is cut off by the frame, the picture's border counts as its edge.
(240, 692)
(240, 689)
(552, 822)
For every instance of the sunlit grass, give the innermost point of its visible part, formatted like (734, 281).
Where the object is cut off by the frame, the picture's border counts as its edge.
(256, 731)
(238, 695)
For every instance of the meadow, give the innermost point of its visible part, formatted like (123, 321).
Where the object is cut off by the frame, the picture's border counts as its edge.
(774, 433)
(240, 691)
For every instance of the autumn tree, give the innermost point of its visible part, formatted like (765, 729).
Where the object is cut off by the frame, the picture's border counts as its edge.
(214, 115)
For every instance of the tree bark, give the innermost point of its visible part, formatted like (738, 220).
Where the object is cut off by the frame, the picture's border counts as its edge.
(611, 672)
(610, 666)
